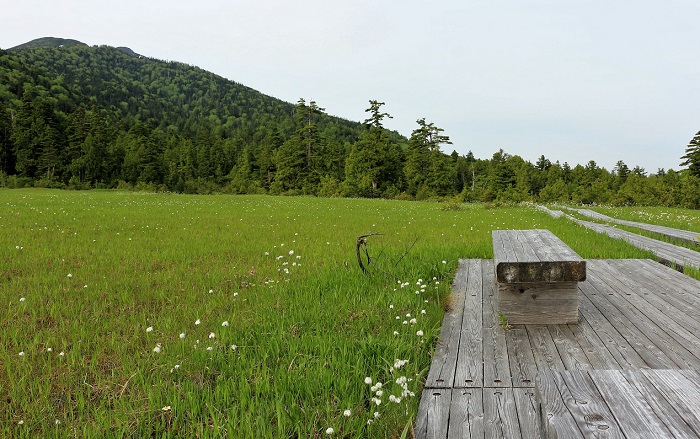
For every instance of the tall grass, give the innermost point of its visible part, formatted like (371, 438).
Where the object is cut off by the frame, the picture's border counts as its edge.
(144, 315)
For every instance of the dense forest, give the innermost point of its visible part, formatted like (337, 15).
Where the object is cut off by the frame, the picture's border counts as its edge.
(80, 117)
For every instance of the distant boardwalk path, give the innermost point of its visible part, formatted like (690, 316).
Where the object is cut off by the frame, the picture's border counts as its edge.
(487, 381)
(666, 253)
(683, 235)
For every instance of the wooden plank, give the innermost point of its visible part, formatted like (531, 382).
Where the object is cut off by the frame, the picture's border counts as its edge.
(539, 303)
(675, 415)
(528, 411)
(614, 342)
(594, 347)
(466, 414)
(632, 412)
(661, 293)
(544, 350)
(496, 364)
(621, 305)
(470, 362)
(556, 420)
(682, 291)
(433, 414)
(572, 354)
(500, 414)
(442, 368)
(671, 336)
(681, 391)
(653, 356)
(522, 363)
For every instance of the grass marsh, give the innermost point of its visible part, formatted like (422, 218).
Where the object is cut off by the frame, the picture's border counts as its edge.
(159, 315)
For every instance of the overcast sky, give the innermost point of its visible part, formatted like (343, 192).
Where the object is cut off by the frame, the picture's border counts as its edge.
(575, 80)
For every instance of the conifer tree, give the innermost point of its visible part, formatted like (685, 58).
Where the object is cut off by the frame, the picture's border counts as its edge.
(692, 156)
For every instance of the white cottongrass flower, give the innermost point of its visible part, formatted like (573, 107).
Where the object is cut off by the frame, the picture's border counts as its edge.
(379, 393)
(149, 329)
(182, 335)
(396, 333)
(225, 323)
(291, 252)
(157, 348)
(376, 415)
(234, 347)
(197, 322)
(377, 401)
(235, 294)
(167, 408)
(347, 413)
(212, 335)
(211, 291)
(22, 299)
(368, 380)
(209, 348)
(20, 422)
(329, 431)
(422, 311)
(61, 353)
(49, 350)
(419, 333)
(70, 276)
(21, 354)
(413, 321)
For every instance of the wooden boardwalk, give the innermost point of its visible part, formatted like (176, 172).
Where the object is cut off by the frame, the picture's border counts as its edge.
(682, 235)
(666, 253)
(634, 314)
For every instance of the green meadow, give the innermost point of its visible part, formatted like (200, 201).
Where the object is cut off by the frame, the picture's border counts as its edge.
(158, 315)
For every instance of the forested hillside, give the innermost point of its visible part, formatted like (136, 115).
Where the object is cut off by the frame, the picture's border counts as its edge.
(83, 117)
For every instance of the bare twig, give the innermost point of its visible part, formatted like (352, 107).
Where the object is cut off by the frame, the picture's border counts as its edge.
(406, 252)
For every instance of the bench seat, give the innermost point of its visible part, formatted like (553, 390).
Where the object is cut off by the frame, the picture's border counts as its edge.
(537, 277)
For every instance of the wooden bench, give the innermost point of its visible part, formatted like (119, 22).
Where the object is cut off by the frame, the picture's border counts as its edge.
(537, 277)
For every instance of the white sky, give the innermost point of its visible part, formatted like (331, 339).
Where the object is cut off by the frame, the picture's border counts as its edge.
(575, 80)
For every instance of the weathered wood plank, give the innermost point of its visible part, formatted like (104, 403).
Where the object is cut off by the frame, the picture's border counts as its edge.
(586, 405)
(522, 363)
(539, 303)
(528, 412)
(623, 352)
(680, 345)
(466, 414)
(632, 412)
(594, 347)
(496, 364)
(556, 420)
(572, 354)
(500, 414)
(673, 413)
(442, 369)
(681, 391)
(653, 356)
(546, 355)
(670, 232)
(470, 363)
(433, 414)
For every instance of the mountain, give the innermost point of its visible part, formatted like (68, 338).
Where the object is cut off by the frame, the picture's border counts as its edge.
(57, 94)
(49, 42)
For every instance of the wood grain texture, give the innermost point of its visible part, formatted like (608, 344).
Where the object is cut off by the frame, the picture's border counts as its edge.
(535, 256)
(638, 319)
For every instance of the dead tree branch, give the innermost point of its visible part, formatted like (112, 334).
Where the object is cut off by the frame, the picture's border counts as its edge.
(361, 241)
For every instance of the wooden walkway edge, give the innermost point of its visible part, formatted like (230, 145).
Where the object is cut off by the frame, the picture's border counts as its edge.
(670, 232)
(665, 253)
(635, 316)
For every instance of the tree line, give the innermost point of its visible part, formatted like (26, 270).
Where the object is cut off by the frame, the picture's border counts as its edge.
(98, 117)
